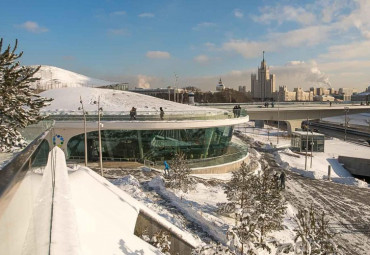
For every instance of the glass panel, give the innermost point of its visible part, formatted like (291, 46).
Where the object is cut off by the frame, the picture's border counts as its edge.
(152, 144)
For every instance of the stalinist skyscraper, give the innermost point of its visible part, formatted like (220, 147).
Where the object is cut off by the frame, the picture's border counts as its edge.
(264, 87)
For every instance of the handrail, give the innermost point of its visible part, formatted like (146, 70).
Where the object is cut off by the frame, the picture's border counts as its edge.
(14, 172)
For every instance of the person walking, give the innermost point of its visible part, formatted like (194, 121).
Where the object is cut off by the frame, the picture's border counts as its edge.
(238, 110)
(166, 168)
(161, 114)
(133, 113)
(234, 111)
(282, 180)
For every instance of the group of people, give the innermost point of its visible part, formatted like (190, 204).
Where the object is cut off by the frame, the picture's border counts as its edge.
(133, 113)
(236, 110)
(280, 180)
(267, 104)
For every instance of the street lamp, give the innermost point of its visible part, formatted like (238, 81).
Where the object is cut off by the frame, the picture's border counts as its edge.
(312, 143)
(346, 110)
(100, 110)
(84, 114)
(277, 139)
(305, 163)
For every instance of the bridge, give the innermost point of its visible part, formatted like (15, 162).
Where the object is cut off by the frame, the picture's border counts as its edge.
(294, 113)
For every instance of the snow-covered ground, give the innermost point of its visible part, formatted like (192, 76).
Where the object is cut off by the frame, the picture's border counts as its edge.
(54, 77)
(199, 205)
(320, 161)
(67, 101)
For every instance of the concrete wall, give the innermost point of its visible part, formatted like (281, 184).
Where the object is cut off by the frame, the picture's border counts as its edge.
(149, 226)
(220, 169)
(356, 166)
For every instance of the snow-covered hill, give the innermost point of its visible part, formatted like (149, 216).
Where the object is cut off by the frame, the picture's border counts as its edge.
(53, 77)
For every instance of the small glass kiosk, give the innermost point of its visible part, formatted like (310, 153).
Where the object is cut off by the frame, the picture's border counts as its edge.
(299, 141)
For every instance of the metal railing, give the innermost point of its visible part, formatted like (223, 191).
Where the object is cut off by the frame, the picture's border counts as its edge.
(140, 115)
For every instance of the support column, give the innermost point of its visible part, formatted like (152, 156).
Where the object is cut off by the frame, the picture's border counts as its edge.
(140, 144)
(207, 142)
(292, 125)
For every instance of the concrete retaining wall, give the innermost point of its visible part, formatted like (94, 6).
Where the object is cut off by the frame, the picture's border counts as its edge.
(145, 223)
(220, 169)
(356, 166)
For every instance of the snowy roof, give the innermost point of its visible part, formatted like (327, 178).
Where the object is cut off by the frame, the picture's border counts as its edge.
(68, 100)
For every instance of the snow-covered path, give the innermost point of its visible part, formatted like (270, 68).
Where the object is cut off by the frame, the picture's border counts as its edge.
(347, 207)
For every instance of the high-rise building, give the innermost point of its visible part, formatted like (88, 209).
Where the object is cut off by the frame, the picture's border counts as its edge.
(263, 87)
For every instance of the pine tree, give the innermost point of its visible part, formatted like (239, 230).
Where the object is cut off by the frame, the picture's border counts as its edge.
(244, 235)
(312, 234)
(270, 205)
(258, 206)
(179, 178)
(239, 190)
(19, 105)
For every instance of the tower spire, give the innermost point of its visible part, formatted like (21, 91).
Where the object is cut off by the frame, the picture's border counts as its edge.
(263, 54)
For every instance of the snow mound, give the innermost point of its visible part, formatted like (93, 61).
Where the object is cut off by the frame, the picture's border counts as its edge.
(67, 101)
(54, 77)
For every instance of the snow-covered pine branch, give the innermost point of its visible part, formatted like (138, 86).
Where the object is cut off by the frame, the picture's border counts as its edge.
(19, 105)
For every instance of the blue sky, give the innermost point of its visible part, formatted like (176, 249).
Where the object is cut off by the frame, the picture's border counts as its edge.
(307, 43)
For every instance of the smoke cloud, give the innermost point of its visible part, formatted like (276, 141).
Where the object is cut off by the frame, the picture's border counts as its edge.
(143, 81)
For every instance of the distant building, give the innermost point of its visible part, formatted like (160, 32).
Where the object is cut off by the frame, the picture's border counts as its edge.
(302, 95)
(171, 94)
(118, 86)
(313, 90)
(263, 86)
(347, 91)
(220, 86)
(283, 95)
(323, 98)
(319, 91)
(243, 89)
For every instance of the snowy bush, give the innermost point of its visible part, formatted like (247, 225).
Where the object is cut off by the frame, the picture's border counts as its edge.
(212, 249)
(19, 105)
(180, 171)
(312, 234)
(161, 241)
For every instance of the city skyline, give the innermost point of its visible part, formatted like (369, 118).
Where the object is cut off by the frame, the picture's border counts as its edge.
(310, 43)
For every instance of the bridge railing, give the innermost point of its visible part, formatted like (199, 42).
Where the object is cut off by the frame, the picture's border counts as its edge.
(20, 182)
(140, 115)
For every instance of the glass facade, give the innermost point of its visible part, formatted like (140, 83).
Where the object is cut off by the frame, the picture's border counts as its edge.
(299, 142)
(155, 145)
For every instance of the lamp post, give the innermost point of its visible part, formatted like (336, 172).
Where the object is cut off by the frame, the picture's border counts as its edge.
(100, 109)
(346, 110)
(305, 163)
(277, 137)
(84, 114)
(312, 143)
